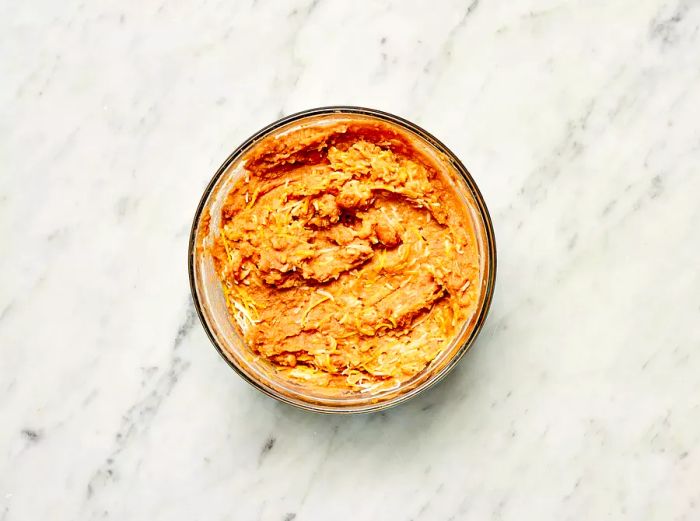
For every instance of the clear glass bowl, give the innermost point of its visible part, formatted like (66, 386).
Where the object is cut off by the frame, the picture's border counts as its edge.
(224, 332)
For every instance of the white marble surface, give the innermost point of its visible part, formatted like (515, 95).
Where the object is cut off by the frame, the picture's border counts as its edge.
(579, 120)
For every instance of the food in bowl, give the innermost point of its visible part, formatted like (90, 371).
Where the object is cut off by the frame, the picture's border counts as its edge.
(346, 256)
(354, 259)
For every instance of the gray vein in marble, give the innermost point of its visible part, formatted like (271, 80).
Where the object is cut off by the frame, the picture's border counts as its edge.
(428, 503)
(89, 398)
(309, 9)
(138, 417)
(32, 435)
(298, 65)
(575, 259)
(7, 309)
(664, 26)
(543, 13)
(186, 327)
(435, 66)
(462, 509)
(657, 187)
(573, 490)
(266, 448)
(383, 68)
(319, 465)
(16, 302)
(448, 44)
(570, 146)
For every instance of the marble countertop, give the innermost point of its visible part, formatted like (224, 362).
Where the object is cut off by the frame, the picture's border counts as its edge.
(579, 121)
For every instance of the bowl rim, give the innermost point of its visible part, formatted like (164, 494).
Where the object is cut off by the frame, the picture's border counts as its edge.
(489, 239)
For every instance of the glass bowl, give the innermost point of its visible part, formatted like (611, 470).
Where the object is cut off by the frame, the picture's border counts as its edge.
(225, 334)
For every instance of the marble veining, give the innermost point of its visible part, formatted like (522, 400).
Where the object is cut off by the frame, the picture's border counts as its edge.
(578, 120)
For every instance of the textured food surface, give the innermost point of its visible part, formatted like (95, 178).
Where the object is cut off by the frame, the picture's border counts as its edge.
(346, 256)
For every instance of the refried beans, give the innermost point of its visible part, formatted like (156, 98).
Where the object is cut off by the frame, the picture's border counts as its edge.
(346, 255)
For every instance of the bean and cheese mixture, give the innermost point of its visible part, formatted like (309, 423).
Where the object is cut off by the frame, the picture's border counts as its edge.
(346, 256)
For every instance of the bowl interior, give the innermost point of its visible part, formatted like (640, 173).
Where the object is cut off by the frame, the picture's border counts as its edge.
(226, 334)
